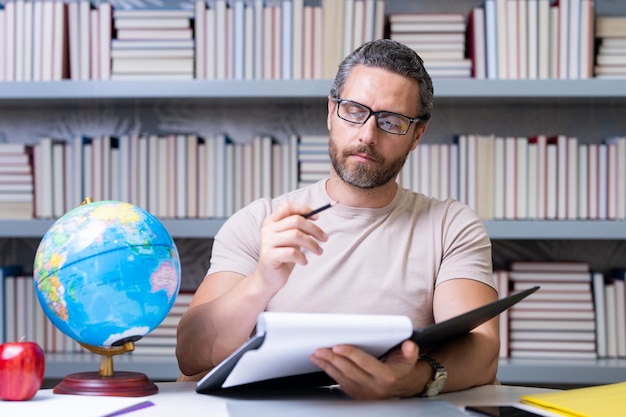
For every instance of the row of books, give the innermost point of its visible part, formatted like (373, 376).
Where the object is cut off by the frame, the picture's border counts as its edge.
(532, 39)
(517, 178)
(576, 313)
(21, 316)
(186, 176)
(286, 39)
(295, 39)
(172, 176)
(221, 39)
(51, 40)
(508, 178)
(33, 40)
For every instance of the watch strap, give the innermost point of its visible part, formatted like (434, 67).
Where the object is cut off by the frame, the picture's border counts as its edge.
(439, 378)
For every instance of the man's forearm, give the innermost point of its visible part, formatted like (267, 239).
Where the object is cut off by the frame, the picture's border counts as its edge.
(210, 331)
(470, 361)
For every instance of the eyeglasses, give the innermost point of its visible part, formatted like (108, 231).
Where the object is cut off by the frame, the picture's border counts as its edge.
(389, 122)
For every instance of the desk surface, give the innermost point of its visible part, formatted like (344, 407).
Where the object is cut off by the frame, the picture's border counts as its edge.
(181, 400)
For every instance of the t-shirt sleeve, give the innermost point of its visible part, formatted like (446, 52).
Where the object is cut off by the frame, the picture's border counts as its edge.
(236, 244)
(466, 246)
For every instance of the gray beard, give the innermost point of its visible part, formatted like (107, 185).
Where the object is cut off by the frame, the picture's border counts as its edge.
(363, 175)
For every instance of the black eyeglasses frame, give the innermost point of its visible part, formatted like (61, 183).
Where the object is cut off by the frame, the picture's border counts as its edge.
(340, 100)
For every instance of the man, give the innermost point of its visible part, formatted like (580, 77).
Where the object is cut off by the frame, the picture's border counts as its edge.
(381, 250)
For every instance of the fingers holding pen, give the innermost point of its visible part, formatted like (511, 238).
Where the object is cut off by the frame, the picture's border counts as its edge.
(289, 208)
(287, 226)
(286, 237)
(291, 215)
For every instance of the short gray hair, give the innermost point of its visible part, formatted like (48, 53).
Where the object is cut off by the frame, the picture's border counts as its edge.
(392, 56)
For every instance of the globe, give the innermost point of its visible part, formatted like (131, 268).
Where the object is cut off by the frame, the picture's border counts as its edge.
(107, 273)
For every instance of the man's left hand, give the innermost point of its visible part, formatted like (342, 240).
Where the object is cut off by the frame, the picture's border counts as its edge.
(364, 377)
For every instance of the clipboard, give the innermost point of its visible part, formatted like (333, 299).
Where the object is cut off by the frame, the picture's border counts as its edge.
(277, 355)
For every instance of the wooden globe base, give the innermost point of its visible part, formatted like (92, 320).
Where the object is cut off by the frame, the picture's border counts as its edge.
(106, 382)
(120, 384)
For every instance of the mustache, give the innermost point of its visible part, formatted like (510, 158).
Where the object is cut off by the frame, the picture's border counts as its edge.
(364, 149)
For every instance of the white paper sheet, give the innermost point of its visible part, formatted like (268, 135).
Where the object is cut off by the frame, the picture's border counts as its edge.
(290, 339)
(64, 405)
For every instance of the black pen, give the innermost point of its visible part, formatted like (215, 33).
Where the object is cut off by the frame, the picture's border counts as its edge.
(317, 210)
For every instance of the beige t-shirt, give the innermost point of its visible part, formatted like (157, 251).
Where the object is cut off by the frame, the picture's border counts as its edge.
(377, 261)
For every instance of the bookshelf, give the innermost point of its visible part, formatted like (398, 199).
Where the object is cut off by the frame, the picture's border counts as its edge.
(590, 108)
(562, 93)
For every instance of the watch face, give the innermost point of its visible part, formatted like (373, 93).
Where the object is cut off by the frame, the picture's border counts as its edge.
(439, 379)
(436, 385)
(440, 382)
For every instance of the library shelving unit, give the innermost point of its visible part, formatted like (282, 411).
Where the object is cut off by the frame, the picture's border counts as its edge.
(462, 106)
(449, 92)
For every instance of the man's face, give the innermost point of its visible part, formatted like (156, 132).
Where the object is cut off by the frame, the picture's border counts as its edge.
(362, 155)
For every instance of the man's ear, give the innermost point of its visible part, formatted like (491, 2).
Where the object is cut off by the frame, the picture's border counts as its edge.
(419, 131)
(331, 111)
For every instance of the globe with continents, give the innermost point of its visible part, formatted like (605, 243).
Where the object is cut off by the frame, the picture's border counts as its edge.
(107, 273)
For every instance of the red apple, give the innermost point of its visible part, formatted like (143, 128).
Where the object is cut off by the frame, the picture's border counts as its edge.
(21, 370)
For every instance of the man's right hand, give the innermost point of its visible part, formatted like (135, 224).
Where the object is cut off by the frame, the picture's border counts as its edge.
(286, 239)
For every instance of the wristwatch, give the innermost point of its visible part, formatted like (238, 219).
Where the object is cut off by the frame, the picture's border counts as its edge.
(437, 382)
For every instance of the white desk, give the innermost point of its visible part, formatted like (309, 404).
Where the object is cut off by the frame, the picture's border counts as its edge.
(181, 400)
